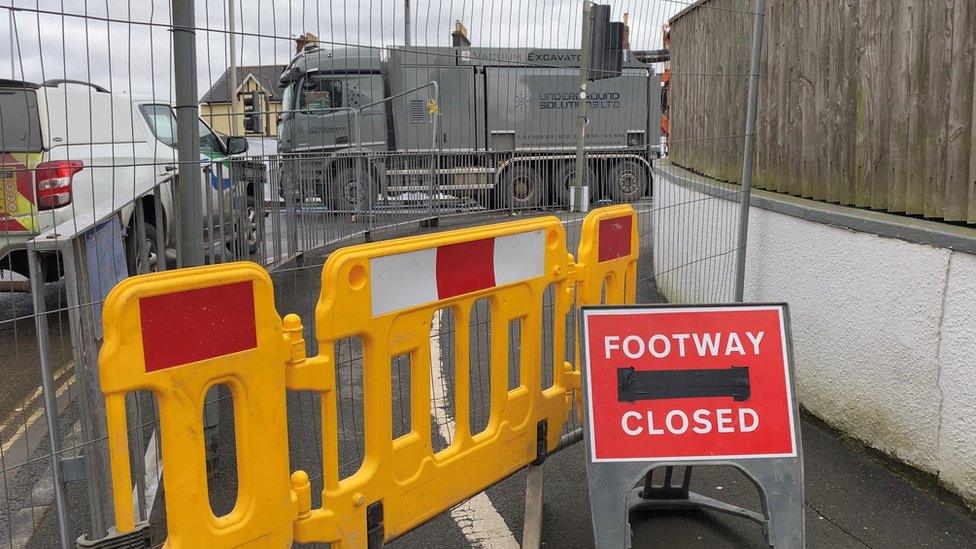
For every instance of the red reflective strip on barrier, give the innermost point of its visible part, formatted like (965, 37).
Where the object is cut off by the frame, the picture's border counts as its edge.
(615, 238)
(185, 327)
(465, 267)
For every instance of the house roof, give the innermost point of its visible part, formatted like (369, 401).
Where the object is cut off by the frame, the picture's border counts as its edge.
(266, 75)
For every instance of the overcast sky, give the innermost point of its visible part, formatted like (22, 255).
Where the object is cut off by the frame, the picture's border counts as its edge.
(125, 44)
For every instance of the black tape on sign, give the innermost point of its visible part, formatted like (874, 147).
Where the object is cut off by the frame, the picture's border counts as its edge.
(663, 384)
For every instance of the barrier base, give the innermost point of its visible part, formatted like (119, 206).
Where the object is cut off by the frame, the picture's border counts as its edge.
(670, 497)
(139, 538)
(693, 501)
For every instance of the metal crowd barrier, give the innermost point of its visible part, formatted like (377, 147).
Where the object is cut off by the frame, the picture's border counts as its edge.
(178, 334)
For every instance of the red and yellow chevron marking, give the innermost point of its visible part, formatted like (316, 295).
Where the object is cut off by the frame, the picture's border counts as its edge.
(17, 211)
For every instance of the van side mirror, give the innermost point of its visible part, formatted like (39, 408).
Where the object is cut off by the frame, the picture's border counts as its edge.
(236, 145)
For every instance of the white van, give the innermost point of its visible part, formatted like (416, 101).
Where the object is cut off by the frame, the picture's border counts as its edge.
(66, 146)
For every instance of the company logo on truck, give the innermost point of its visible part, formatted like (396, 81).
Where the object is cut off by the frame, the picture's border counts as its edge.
(570, 100)
(544, 56)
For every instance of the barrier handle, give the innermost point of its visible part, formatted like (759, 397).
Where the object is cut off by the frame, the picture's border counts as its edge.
(118, 445)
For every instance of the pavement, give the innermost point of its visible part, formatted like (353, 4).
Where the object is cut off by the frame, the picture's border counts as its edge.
(854, 497)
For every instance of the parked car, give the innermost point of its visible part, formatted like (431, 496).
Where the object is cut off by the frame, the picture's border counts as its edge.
(67, 146)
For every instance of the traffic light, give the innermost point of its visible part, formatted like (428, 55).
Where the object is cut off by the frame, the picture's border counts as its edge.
(606, 44)
(252, 112)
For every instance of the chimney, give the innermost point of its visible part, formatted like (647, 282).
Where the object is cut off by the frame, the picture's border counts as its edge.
(460, 37)
(305, 40)
(626, 31)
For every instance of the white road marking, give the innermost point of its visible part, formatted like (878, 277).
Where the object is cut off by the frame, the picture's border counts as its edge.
(477, 518)
(30, 399)
(26, 425)
(154, 471)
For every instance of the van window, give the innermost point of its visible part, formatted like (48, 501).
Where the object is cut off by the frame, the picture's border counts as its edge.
(162, 122)
(209, 142)
(20, 127)
(320, 92)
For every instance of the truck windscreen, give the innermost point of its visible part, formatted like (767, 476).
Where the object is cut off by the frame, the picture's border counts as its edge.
(320, 92)
(20, 125)
(288, 99)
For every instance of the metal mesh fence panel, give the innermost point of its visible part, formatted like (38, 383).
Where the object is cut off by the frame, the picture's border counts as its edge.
(320, 125)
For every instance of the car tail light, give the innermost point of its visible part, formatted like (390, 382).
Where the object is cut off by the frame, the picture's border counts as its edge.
(53, 181)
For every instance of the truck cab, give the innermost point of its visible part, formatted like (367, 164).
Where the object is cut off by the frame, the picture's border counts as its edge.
(328, 97)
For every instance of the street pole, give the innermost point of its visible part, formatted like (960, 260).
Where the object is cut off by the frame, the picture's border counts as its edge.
(406, 23)
(233, 68)
(13, 64)
(577, 203)
(189, 195)
(749, 151)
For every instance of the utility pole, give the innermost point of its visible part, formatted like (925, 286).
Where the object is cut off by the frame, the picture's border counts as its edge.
(749, 151)
(406, 23)
(233, 68)
(190, 197)
(577, 202)
(13, 64)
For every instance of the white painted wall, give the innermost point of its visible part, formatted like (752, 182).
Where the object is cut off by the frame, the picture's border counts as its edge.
(884, 329)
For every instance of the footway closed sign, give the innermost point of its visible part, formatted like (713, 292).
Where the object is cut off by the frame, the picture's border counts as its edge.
(688, 383)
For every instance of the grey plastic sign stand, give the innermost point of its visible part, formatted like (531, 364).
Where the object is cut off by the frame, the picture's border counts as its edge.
(778, 478)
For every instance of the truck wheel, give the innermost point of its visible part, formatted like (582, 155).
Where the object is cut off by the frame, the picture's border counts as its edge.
(562, 183)
(628, 181)
(351, 188)
(133, 250)
(523, 188)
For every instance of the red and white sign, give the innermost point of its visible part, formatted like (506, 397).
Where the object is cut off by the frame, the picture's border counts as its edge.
(408, 279)
(688, 383)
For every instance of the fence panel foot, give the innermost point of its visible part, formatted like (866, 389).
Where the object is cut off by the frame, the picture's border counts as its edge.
(532, 518)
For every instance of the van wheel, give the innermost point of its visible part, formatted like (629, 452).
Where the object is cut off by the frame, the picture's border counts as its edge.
(133, 250)
(562, 183)
(246, 230)
(523, 188)
(628, 181)
(351, 189)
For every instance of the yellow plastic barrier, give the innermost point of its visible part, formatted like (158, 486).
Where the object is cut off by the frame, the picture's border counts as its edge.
(178, 333)
(606, 270)
(608, 252)
(387, 294)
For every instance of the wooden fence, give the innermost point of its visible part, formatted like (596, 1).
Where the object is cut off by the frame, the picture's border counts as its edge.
(864, 103)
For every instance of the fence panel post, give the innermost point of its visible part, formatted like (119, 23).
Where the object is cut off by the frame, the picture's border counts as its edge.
(749, 150)
(189, 205)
